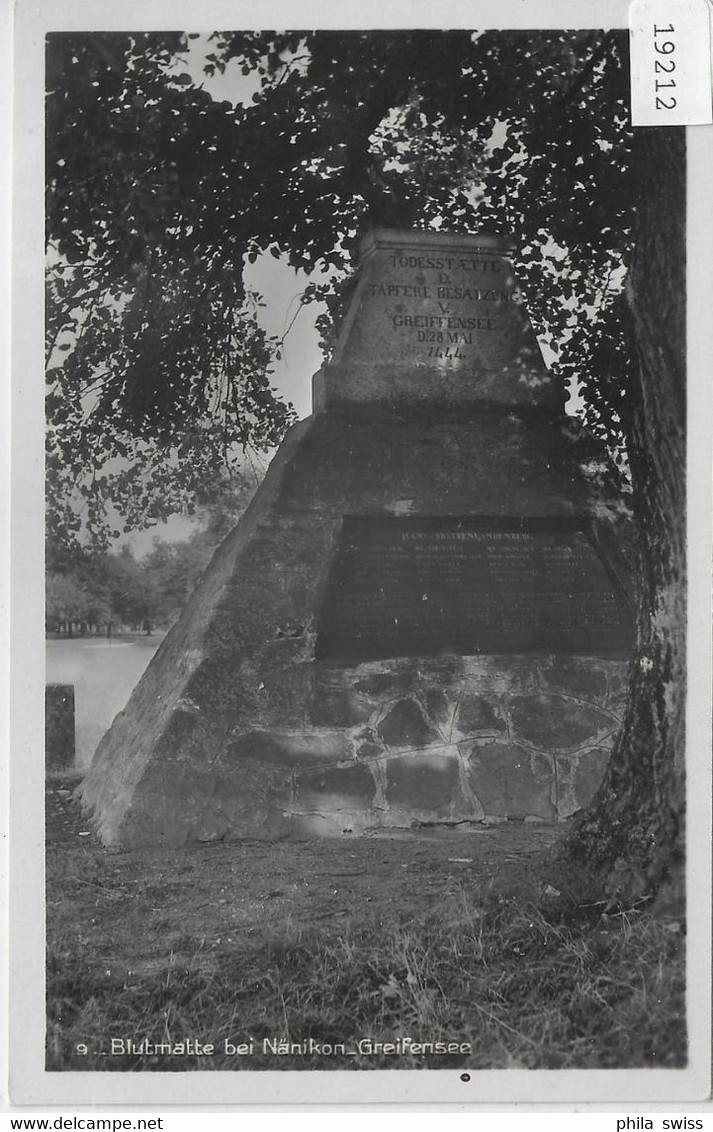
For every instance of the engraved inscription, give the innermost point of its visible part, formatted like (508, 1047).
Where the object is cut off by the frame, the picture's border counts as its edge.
(456, 308)
(445, 314)
(423, 586)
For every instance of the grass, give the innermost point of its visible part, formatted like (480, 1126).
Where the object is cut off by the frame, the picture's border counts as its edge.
(522, 991)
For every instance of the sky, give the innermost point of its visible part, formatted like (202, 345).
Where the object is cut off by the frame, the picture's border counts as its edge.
(281, 286)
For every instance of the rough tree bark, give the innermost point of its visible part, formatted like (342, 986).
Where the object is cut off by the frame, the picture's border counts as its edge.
(630, 841)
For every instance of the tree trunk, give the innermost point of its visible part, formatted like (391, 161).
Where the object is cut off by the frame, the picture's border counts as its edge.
(631, 839)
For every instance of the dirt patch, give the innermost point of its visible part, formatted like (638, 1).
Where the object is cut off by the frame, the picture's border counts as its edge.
(220, 892)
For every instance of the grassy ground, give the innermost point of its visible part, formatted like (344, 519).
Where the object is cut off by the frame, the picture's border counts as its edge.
(336, 946)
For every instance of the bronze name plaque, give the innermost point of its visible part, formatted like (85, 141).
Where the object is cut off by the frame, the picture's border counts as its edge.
(424, 586)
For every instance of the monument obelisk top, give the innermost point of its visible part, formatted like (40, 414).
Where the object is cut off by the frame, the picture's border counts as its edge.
(436, 317)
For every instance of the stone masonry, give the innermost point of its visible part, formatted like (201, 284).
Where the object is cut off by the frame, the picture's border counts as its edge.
(403, 742)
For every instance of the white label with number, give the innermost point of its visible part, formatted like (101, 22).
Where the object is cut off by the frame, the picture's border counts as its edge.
(670, 43)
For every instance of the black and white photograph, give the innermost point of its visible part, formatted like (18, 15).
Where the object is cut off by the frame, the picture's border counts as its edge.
(367, 750)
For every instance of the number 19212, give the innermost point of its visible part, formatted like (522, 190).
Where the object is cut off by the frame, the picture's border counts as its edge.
(666, 66)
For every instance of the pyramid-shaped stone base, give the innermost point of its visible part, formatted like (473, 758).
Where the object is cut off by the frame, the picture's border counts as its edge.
(422, 616)
(237, 730)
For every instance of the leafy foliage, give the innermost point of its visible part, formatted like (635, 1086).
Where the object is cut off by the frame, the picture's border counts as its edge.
(68, 602)
(102, 590)
(158, 194)
(94, 590)
(158, 372)
(514, 133)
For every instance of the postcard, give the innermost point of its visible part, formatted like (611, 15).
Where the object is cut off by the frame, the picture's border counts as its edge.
(361, 599)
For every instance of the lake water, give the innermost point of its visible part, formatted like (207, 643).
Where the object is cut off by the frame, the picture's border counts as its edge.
(104, 673)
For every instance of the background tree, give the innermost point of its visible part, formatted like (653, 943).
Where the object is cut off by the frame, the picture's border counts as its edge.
(97, 591)
(66, 603)
(157, 195)
(176, 568)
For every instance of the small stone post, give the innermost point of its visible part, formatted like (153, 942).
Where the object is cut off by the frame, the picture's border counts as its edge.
(59, 726)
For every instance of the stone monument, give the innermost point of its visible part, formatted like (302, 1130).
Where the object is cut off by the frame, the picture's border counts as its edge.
(424, 615)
